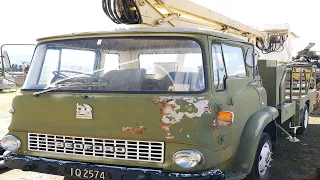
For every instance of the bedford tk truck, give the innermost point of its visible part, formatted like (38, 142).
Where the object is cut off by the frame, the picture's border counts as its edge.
(142, 102)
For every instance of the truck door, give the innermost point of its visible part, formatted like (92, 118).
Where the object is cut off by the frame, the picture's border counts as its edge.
(233, 89)
(252, 63)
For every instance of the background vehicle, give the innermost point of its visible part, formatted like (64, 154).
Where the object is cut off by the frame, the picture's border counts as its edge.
(308, 56)
(160, 102)
(15, 59)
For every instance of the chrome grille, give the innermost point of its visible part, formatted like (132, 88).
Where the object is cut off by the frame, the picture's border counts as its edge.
(82, 146)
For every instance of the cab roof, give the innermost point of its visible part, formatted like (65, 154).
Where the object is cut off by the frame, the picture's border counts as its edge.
(127, 29)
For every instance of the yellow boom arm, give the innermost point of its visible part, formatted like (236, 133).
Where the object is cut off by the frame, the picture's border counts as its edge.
(185, 13)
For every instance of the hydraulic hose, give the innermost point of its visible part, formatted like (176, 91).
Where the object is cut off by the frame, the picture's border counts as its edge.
(122, 11)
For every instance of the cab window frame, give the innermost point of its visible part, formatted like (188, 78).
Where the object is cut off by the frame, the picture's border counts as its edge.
(221, 44)
(202, 45)
(212, 67)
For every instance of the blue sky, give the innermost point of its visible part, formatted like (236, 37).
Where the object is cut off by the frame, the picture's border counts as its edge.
(22, 21)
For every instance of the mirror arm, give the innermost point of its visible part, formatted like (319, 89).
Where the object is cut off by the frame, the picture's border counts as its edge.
(2, 66)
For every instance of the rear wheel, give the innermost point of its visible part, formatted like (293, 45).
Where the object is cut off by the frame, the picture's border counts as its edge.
(304, 121)
(262, 161)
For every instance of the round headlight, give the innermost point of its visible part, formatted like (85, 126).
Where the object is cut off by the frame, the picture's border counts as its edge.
(187, 159)
(10, 143)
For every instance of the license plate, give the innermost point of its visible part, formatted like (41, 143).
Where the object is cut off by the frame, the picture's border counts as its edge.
(87, 173)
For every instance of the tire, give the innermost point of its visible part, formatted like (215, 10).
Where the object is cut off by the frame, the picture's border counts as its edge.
(2, 166)
(1, 150)
(304, 121)
(262, 160)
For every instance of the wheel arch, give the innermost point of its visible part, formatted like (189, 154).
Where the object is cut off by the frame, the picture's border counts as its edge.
(261, 121)
(271, 129)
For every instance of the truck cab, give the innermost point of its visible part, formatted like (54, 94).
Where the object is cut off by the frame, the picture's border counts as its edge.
(142, 102)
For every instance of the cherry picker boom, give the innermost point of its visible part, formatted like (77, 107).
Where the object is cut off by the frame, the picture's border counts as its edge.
(185, 13)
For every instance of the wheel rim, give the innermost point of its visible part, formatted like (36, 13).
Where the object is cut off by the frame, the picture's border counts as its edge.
(264, 159)
(306, 119)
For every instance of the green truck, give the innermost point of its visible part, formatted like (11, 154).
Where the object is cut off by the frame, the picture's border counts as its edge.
(153, 103)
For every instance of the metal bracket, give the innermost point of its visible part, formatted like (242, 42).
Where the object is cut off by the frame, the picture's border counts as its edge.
(293, 139)
(169, 18)
(294, 132)
(290, 138)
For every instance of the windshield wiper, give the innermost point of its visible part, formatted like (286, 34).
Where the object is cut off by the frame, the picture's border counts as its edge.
(51, 88)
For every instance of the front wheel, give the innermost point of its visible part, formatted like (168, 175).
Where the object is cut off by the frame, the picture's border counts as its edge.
(262, 161)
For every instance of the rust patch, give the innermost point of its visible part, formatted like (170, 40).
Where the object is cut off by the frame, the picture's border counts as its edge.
(174, 109)
(138, 130)
(126, 129)
(217, 124)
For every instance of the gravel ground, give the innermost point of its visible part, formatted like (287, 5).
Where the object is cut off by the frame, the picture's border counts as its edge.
(298, 160)
(292, 161)
(5, 103)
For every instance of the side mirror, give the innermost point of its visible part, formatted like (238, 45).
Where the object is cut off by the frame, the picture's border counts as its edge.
(15, 58)
(6, 60)
(252, 58)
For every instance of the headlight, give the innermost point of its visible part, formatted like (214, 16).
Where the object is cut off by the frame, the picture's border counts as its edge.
(187, 158)
(10, 143)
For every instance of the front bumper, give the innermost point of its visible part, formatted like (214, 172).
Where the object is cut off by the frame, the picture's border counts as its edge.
(62, 168)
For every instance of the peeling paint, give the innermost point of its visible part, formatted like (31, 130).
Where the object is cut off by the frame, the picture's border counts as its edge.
(134, 131)
(174, 109)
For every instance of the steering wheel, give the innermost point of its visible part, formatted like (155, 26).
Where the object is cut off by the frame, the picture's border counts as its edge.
(166, 72)
(60, 74)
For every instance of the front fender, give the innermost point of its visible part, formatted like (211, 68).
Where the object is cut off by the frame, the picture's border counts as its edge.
(244, 158)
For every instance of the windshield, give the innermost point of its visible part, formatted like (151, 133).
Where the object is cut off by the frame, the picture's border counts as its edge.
(118, 65)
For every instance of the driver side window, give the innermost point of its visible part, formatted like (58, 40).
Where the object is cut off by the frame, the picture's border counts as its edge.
(66, 60)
